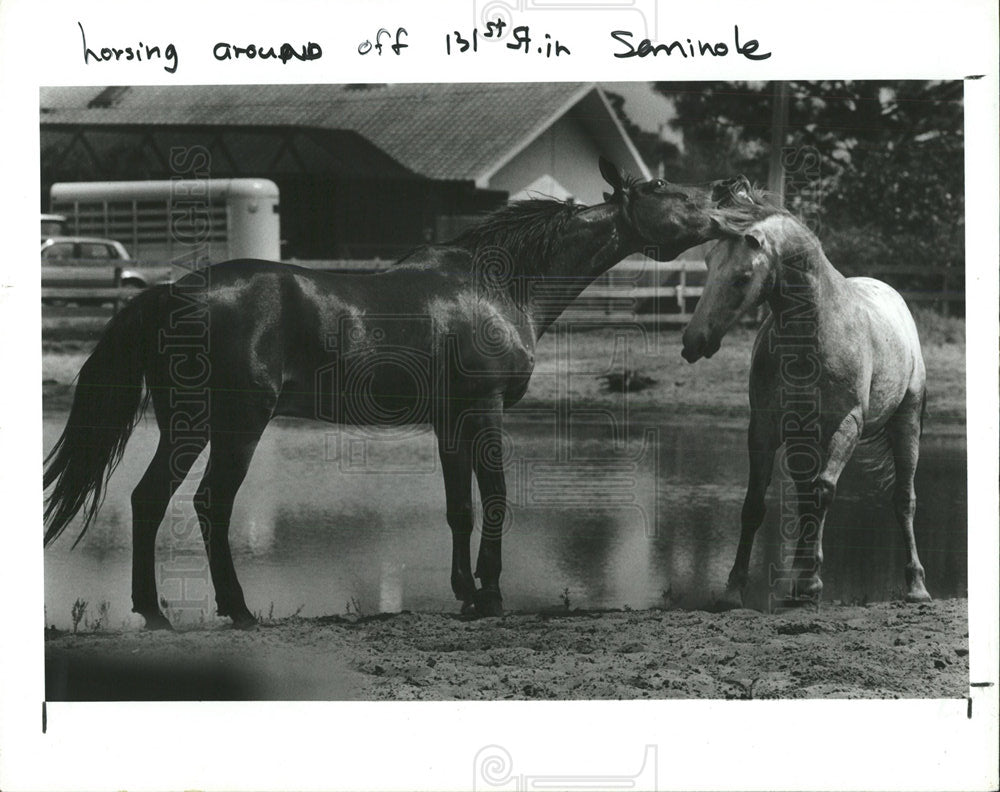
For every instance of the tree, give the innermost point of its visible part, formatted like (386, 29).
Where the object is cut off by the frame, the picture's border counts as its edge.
(888, 186)
(653, 149)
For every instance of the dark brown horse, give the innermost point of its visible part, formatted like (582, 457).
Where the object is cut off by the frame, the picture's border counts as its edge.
(446, 337)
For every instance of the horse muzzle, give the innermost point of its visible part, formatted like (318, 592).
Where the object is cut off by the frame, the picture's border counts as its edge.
(698, 346)
(690, 355)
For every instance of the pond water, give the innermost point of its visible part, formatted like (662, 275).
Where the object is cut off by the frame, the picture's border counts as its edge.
(331, 520)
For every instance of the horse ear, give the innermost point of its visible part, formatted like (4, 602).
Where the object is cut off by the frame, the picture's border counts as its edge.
(754, 239)
(610, 173)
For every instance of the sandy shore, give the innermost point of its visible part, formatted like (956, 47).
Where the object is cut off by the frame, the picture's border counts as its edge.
(882, 650)
(885, 650)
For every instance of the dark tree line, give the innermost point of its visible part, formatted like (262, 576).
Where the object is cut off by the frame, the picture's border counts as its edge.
(885, 181)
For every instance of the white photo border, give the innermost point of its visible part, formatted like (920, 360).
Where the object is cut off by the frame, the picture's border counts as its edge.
(911, 744)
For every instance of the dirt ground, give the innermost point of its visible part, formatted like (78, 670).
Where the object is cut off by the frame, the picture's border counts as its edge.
(882, 650)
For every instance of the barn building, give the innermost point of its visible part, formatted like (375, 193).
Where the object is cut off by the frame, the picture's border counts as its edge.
(363, 171)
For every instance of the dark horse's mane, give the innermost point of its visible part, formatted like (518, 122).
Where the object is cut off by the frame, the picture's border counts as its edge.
(527, 230)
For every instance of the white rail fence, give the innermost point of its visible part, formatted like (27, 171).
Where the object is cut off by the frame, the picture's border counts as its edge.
(643, 290)
(636, 290)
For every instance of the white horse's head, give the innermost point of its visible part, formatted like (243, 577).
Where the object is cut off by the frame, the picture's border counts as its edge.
(740, 276)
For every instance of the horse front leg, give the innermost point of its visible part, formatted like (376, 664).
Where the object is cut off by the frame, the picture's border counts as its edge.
(762, 443)
(487, 462)
(815, 496)
(456, 465)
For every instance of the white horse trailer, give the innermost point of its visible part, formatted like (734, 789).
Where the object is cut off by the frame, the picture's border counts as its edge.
(177, 221)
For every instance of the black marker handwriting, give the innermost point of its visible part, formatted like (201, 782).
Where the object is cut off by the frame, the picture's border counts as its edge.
(136, 53)
(646, 47)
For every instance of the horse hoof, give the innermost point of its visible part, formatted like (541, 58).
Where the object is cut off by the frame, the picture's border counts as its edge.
(244, 621)
(730, 599)
(916, 591)
(489, 602)
(807, 588)
(797, 602)
(468, 608)
(157, 621)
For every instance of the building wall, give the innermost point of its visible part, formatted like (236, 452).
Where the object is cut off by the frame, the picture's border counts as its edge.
(564, 151)
(339, 196)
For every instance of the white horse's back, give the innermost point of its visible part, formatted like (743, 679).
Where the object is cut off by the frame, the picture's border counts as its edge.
(889, 312)
(897, 362)
(885, 301)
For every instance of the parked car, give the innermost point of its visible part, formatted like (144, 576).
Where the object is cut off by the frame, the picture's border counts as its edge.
(91, 262)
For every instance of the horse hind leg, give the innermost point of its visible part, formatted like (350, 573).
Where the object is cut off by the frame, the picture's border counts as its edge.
(170, 465)
(232, 447)
(456, 465)
(903, 430)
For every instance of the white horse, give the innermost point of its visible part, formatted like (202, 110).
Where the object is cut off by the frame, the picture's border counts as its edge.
(836, 364)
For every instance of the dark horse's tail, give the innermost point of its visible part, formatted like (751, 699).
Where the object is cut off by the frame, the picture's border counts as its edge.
(106, 406)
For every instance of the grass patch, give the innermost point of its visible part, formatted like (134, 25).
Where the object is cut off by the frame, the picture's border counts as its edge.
(934, 328)
(642, 368)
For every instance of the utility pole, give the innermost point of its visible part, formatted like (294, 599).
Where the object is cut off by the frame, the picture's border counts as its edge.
(779, 122)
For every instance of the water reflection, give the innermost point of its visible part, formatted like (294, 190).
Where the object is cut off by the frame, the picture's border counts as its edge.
(614, 527)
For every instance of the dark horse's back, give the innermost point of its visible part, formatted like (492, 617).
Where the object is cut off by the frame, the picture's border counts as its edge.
(347, 348)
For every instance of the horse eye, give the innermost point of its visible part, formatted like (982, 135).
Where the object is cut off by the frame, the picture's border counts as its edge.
(659, 184)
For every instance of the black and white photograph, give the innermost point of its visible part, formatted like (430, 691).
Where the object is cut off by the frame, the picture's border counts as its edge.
(496, 389)
(377, 340)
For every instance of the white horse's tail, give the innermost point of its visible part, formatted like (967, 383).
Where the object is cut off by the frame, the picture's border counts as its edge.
(874, 457)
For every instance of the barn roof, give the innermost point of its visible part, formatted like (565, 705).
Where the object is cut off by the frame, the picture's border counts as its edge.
(464, 131)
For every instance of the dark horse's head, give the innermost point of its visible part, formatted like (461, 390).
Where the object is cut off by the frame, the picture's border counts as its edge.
(666, 219)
